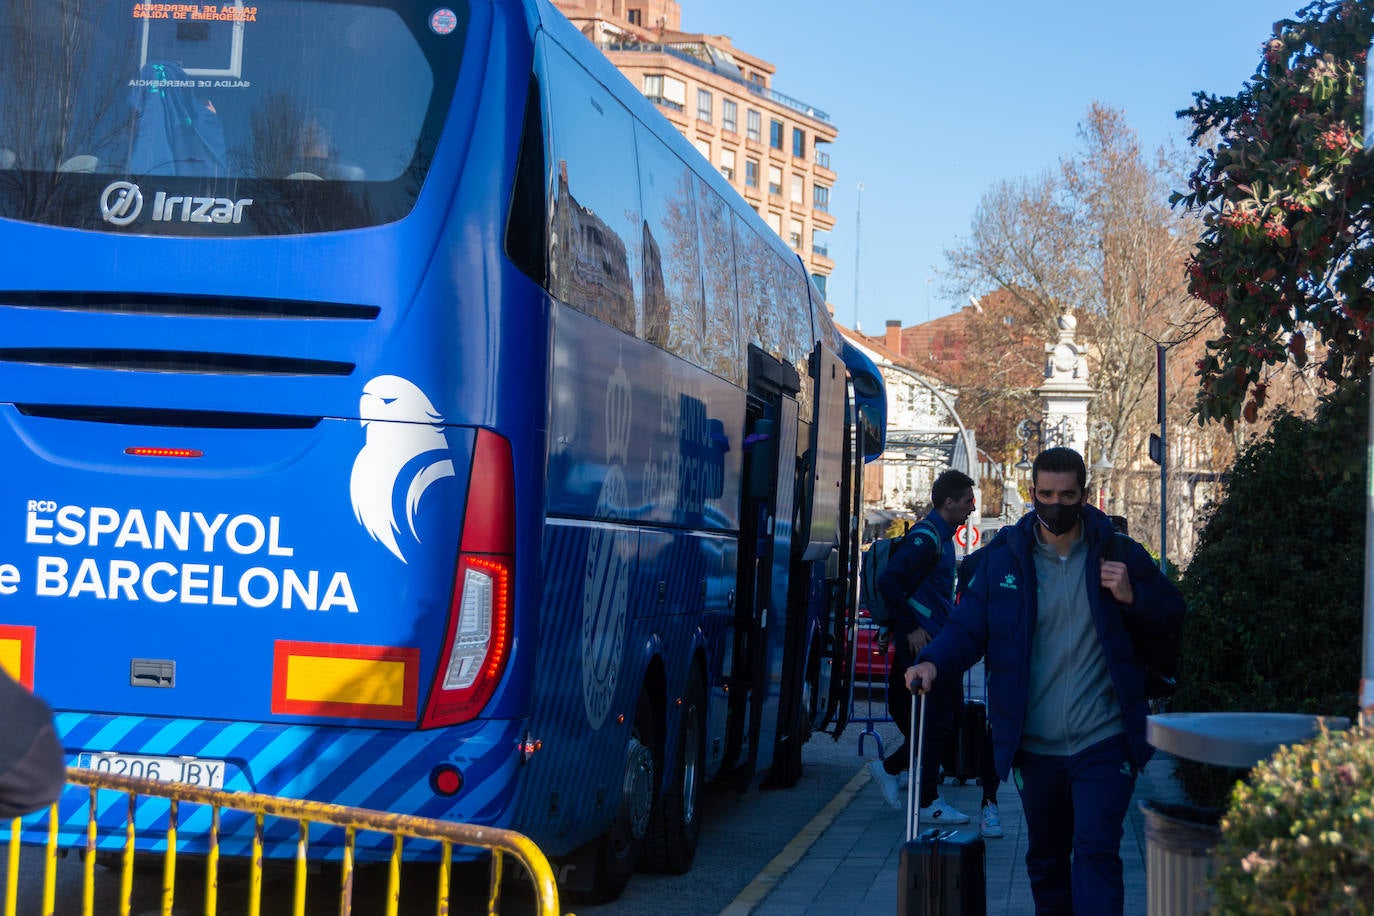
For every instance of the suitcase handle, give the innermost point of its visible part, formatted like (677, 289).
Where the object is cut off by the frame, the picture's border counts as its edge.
(915, 756)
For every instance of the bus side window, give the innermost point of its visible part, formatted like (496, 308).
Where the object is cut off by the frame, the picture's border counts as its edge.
(794, 317)
(724, 343)
(752, 264)
(674, 318)
(596, 208)
(527, 222)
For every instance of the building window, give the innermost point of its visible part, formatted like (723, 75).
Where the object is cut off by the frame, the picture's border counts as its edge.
(665, 91)
(636, 16)
(754, 129)
(820, 198)
(727, 164)
(751, 173)
(775, 222)
(729, 116)
(775, 134)
(756, 78)
(703, 105)
(798, 143)
(704, 148)
(820, 242)
(775, 181)
(798, 189)
(794, 234)
(820, 280)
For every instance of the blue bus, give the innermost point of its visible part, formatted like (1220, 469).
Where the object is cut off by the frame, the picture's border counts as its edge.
(399, 413)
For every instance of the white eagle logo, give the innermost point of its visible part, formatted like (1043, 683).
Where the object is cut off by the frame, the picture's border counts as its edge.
(405, 435)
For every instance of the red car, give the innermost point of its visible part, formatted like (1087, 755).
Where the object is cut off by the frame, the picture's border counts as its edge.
(871, 659)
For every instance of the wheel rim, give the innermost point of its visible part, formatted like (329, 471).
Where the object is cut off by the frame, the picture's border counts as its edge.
(639, 787)
(691, 749)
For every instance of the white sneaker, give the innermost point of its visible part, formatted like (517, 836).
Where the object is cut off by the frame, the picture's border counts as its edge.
(991, 823)
(938, 813)
(892, 790)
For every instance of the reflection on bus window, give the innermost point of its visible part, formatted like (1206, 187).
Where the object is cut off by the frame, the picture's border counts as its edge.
(298, 91)
(596, 199)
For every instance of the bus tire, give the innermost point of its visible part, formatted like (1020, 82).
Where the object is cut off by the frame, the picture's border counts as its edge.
(617, 852)
(676, 825)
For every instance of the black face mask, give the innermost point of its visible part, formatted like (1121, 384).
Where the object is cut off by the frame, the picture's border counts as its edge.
(1058, 518)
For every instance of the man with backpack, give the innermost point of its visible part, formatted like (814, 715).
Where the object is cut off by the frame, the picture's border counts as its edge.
(917, 590)
(1052, 605)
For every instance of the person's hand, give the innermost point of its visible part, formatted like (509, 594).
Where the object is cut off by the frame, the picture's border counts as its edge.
(920, 677)
(1117, 580)
(917, 640)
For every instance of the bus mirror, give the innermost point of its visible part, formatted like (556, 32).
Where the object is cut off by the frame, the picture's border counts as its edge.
(870, 432)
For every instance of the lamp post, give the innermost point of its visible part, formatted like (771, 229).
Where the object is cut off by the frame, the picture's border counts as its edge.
(1100, 433)
(1044, 434)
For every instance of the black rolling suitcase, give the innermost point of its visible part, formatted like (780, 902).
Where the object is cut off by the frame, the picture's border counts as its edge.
(938, 871)
(961, 760)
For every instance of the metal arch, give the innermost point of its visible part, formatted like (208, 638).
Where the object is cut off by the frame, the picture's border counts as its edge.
(927, 442)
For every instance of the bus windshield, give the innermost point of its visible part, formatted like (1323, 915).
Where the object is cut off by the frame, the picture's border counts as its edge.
(127, 116)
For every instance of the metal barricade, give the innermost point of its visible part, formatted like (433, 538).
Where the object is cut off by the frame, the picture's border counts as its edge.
(871, 661)
(501, 843)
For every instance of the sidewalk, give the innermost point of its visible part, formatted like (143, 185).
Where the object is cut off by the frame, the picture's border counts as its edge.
(845, 862)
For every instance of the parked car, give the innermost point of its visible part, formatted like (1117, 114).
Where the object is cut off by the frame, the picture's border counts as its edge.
(872, 656)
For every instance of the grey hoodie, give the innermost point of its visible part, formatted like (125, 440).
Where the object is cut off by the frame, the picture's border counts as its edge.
(1072, 704)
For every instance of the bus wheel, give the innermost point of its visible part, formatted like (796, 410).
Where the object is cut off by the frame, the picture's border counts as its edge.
(618, 850)
(676, 826)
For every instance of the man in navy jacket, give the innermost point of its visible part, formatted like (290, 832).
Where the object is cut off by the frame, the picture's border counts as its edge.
(1066, 700)
(918, 589)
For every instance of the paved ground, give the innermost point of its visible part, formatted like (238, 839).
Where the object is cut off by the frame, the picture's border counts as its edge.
(845, 861)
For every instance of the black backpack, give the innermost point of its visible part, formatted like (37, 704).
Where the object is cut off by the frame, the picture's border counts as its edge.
(874, 562)
(1158, 653)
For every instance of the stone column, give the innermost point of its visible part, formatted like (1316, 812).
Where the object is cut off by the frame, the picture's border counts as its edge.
(1065, 395)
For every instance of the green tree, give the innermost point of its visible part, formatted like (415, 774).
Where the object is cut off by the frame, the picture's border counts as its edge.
(1274, 586)
(1285, 194)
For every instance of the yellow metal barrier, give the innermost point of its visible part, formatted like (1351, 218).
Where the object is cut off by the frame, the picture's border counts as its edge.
(399, 826)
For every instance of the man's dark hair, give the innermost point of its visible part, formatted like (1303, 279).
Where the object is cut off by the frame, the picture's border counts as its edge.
(1058, 460)
(949, 485)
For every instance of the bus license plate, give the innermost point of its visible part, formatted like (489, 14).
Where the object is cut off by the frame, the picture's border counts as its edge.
(193, 771)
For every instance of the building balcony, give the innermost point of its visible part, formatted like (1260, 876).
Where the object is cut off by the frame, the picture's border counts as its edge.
(778, 98)
(662, 102)
(821, 262)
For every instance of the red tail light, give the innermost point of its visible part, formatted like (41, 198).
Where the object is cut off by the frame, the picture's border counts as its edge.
(480, 619)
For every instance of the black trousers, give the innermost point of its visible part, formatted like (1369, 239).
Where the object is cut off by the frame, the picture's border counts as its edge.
(942, 706)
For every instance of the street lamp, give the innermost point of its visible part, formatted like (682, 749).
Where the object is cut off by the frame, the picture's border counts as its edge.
(1101, 433)
(1045, 435)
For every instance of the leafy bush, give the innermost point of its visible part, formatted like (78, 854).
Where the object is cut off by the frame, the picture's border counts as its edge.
(1299, 837)
(1274, 587)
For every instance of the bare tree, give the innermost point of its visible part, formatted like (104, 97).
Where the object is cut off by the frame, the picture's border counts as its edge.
(1097, 239)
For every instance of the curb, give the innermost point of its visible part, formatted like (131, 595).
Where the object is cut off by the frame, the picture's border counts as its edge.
(766, 880)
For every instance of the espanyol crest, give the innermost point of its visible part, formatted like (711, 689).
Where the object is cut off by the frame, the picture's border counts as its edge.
(605, 591)
(404, 453)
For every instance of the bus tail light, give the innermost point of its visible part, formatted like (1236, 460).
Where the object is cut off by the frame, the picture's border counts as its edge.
(480, 620)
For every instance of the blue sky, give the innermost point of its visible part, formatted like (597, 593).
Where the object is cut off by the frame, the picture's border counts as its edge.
(935, 102)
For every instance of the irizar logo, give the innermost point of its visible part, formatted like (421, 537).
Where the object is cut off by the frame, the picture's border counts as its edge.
(405, 444)
(122, 202)
(198, 209)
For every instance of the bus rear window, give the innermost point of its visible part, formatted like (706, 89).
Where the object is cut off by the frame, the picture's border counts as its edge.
(164, 118)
